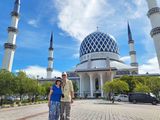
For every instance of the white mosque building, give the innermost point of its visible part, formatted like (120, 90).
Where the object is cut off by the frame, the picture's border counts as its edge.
(100, 62)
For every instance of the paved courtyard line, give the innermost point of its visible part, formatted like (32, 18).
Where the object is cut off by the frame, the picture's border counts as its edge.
(17, 107)
(32, 116)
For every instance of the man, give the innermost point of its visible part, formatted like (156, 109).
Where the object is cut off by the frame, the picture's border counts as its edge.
(67, 97)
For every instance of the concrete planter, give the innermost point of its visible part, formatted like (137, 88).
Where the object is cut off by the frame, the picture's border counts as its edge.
(21, 104)
(6, 106)
(14, 104)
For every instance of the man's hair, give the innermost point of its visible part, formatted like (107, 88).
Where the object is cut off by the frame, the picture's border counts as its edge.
(64, 73)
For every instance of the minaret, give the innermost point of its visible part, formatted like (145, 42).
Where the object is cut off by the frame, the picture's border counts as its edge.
(154, 16)
(10, 46)
(132, 49)
(50, 59)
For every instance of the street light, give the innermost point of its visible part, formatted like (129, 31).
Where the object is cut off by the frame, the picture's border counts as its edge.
(37, 77)
(37, 87)
(37, 80)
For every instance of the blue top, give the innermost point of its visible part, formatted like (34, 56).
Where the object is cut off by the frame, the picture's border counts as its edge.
(57, 93)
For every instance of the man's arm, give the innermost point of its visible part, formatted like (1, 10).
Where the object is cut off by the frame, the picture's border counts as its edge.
(72, 90)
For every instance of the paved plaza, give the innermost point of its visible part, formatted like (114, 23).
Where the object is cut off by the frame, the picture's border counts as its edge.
(87, 110)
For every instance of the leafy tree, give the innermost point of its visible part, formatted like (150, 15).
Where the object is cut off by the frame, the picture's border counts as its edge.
(33, 88)
(116, 86)
(46, 86)
(75, 87)
(6, 84)
(41, 90)
(154, 85)
(22, 84)
(129, 80)
(142, 88)
(143, 83)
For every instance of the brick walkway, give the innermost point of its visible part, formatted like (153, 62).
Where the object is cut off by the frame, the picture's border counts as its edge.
(87, 110)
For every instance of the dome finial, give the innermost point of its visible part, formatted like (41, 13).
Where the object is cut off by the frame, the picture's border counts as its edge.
(97, 28)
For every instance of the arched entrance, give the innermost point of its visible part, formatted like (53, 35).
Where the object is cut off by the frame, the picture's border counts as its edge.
(96, 84)
(97, 92)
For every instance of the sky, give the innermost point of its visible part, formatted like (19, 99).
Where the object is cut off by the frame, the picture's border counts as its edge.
(71, 21)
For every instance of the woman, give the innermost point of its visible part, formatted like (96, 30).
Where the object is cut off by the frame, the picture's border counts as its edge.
(54, 101)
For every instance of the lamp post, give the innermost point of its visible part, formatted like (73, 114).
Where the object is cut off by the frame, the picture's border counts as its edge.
(37, 88)
(0, 101)
(37, 79)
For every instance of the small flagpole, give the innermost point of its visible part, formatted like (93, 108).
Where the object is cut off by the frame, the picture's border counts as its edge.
(110, 70)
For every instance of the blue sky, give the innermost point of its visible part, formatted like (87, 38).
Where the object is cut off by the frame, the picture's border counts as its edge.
(71, 21)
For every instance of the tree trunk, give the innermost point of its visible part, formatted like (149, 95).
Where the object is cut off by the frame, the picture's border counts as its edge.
(21, 97)
(1, 101)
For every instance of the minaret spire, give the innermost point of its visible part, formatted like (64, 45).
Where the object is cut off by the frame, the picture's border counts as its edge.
(129, 33)
(50, 58)
(51, 41)
(17, 6)
(10, 45)
(132, 51)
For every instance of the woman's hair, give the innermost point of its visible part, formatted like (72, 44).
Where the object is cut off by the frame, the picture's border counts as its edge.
(57, 81)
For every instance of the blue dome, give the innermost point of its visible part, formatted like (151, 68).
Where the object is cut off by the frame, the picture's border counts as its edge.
(98, 42)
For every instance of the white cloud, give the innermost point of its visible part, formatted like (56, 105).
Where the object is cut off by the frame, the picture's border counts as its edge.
(38, 70)
(79, 18)
(125, 58)
(33, 22)
(151, 66)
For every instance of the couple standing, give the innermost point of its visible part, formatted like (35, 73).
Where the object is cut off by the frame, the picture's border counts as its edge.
(60, 98)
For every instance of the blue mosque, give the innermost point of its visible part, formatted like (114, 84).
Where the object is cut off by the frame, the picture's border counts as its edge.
(100, 62)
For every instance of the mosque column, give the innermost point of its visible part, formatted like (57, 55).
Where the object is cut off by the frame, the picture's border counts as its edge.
(101, 83)
(81, 85)
(91, 84)
(113, 73)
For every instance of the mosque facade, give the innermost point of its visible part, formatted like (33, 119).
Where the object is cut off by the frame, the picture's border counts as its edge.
(100, 62)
